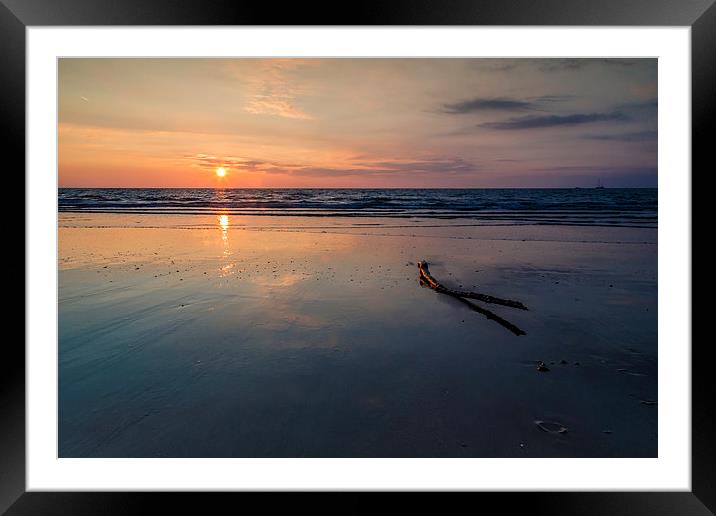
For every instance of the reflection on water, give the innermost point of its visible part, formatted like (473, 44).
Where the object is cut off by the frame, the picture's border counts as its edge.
(223, 221)
(227, 269)
(224, 226)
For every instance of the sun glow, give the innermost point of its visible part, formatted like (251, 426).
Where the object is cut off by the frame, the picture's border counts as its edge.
(220, 172)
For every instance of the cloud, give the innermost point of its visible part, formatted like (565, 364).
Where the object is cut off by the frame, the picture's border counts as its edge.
(561, 65)
(558, 65)
(274, 89)
(496, 64)
(619, 62)
(440, 165)
(487, 104)
(272, 105)
(209, 162)
(479, 104)
(544, 121)
(636, 136)
(550, 99)
(549, 64)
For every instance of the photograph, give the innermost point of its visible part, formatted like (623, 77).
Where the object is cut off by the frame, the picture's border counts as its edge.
(357, 257)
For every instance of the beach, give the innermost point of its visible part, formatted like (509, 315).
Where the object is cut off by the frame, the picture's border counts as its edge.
(239, 335)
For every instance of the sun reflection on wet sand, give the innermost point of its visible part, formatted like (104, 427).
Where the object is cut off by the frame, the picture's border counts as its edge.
(228, 268)
(224, 226)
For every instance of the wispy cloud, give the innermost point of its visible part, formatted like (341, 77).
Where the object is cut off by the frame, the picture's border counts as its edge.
(440, 165)
(619, 61)
(544, 121)
(487, 104)
(636, 136)
(274, 89)
(482, 104)
(551, 99)
(558, 65)
(210, 162)
(273, 105)
(496, 65)
(566, 64)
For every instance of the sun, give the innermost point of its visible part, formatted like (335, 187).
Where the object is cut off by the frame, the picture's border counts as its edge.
(220, 172)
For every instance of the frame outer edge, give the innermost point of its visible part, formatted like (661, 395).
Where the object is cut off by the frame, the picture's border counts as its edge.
(703, 112)
(12, 143)
(12, 103)
(395, 12)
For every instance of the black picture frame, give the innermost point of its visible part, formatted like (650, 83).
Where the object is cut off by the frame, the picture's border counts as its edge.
(700, 15)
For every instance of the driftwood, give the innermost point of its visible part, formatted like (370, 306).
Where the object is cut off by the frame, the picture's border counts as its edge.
(427, 279)
(493, 317)
(435, 285)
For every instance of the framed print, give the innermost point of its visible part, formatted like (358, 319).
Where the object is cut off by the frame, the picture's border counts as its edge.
(416, 250)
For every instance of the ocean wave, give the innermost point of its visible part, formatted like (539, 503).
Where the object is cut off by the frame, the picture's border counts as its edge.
(622, 207)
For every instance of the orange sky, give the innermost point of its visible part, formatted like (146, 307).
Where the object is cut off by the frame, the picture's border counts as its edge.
(356, 122)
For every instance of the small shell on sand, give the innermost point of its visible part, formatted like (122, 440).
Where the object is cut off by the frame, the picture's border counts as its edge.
(551, 427)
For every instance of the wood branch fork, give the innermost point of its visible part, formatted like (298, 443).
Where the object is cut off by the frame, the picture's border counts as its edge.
(427, 279)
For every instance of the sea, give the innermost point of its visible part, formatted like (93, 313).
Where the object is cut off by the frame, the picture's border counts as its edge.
(627, 207)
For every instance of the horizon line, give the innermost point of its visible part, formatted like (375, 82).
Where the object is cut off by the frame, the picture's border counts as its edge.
(356, 188)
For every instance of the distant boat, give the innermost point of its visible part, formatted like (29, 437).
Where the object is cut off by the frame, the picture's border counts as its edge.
(599, 184)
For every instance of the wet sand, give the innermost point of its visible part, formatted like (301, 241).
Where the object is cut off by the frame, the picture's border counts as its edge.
(241, 336)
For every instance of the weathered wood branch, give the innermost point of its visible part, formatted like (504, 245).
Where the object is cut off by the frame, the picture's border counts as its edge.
(427, 279)
(435, 285)
(493, 317)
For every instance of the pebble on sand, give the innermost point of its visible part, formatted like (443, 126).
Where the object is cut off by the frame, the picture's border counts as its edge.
(551, 427)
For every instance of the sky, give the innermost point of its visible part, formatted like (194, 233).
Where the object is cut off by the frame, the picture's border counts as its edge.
(357, 123)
